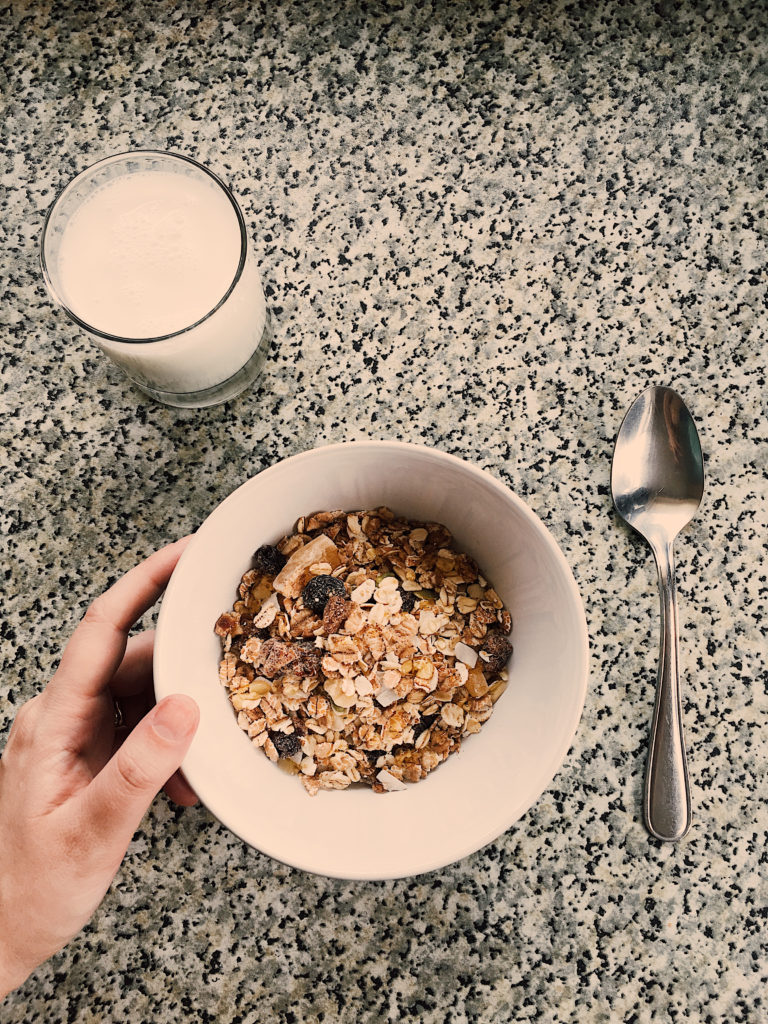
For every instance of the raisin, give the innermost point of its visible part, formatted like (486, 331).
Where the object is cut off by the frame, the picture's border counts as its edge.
(497, 650)
(422, 725)
(408, 598)
(269, 560)
(374, 755)
(318, 590)
(286, 745)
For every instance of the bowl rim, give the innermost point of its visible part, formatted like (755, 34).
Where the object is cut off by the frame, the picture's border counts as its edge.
(579, 684)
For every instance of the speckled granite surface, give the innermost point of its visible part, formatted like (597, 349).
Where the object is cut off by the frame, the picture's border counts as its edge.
(485, 227)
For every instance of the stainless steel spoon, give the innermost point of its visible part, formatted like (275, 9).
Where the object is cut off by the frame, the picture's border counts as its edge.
(657, 480)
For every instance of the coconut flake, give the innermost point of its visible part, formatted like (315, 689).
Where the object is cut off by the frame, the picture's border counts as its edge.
(465, 654)
(390, 782)
(385, 697)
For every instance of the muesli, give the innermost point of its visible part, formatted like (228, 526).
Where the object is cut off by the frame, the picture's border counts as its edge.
(362, 648)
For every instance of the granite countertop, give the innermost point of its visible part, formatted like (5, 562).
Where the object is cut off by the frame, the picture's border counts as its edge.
(484, 227)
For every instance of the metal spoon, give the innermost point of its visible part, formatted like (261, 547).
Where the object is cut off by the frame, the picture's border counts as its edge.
(657, 480)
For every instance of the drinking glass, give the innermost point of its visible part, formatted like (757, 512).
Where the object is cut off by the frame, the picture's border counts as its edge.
(148, 253)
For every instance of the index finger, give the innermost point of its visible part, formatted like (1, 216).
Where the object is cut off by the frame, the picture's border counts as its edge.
(97, 646)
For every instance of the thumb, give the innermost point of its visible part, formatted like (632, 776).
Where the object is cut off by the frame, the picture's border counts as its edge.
(119, 796)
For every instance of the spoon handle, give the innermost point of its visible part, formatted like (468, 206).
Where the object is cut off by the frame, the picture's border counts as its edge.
(667, 800)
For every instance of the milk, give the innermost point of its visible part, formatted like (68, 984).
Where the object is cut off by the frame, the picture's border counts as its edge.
(149, 254)
(150, 258)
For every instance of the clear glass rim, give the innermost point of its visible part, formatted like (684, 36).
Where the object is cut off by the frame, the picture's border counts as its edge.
(117, 158)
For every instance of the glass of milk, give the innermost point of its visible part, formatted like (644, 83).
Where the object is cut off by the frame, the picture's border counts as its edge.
(148, 253)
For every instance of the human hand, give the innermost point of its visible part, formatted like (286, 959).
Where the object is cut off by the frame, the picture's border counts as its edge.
(73, 787)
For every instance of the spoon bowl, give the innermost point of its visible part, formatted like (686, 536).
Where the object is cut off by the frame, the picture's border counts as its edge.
(657, 482)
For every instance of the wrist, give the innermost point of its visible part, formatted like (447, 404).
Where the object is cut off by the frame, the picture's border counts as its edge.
(15, 968)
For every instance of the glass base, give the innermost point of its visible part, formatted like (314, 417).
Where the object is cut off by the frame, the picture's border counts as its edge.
(219, 393)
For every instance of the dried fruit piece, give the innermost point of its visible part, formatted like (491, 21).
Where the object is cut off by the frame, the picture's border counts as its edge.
(318, 591)
(497, 689)
(476, 683)
(308, 663)
(335, 613)
(269, 560)
(495, 652)
(248, 628)
(275, 657)
(422, 725)
(291, 577)
(228, 624)
(286, 744)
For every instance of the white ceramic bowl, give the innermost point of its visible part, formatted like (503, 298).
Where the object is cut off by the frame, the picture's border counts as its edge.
(477, 793)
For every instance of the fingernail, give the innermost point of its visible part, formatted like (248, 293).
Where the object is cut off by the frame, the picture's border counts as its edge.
(175, 717)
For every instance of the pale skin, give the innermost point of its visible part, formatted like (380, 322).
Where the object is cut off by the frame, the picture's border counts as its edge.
(73, 788)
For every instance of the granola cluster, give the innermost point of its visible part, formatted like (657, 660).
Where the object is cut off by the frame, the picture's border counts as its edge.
(362, 648)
